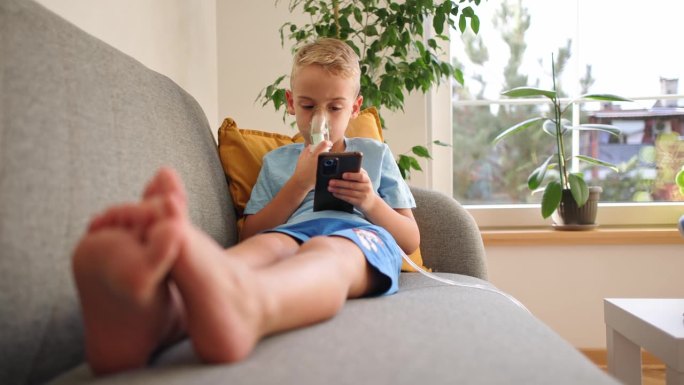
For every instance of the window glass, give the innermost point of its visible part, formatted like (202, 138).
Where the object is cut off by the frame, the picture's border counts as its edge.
(648, 152)
(623, 47)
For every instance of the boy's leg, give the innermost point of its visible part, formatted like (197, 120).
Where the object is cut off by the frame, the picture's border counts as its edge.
(271, 248)
(230, 306)
(121, 266)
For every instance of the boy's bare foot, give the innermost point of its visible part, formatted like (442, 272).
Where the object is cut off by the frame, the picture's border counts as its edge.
(225, 307)
(121, 268)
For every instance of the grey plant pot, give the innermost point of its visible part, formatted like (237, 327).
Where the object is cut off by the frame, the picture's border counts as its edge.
(569, 216)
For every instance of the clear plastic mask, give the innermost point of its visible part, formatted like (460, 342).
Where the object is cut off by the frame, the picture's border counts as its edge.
(320, 129)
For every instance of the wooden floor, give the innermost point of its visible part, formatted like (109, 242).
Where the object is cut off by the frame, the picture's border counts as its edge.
(652, 369)
(653, 376)
(649, 375)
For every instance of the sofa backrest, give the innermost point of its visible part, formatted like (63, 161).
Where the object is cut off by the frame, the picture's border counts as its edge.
(82, 126)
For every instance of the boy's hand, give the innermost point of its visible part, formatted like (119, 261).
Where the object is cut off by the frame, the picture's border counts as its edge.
(355, 188)
(305, 171)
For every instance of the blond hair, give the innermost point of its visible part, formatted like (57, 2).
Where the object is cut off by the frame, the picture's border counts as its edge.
(333, 55)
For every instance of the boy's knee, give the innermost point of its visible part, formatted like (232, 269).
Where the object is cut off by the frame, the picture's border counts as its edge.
(343, 252)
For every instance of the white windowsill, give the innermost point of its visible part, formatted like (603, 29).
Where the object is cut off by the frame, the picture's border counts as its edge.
(650, 214)
(602, 235)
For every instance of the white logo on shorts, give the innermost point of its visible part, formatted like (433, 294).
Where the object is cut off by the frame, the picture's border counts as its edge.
(369, 239)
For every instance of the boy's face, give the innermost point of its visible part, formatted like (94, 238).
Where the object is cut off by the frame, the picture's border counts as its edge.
(314, 88)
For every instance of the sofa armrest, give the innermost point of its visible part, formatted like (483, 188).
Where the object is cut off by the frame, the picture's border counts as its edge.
(450, 240)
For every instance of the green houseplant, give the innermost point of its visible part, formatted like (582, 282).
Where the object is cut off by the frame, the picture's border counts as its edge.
(396, 55)
(563, 190)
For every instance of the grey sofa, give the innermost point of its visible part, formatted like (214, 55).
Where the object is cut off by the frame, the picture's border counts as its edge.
(83, 126)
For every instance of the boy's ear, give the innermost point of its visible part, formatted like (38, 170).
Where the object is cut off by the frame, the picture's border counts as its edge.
(290, 102)
(356, 108)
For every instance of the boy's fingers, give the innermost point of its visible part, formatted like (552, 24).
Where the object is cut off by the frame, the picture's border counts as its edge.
(355, 176)
(322, 147)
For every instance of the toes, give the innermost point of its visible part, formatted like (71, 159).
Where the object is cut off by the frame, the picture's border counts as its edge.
(97, 223)
(174, 207)
(164, 240)
(133, 217)
(136, 218)
(154, 186)
(165, 182)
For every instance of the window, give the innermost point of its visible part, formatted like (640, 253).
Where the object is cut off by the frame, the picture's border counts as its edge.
(613, 46)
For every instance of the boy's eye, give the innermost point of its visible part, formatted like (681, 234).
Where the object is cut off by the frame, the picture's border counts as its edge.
(307, 107)
(335, 108)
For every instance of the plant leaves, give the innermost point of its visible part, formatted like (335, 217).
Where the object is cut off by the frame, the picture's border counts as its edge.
(404, 164)
(421, 151)
(414, 164)
(458, 75)
(516, 128)
(613, 130)
(475, 24)
(606, 97)
(598, 162)
(537, 176)
(551, 198)
(438, 23)
(440, 143)
(521, 92)
(549, 126)
(579, 189)
(357, 15)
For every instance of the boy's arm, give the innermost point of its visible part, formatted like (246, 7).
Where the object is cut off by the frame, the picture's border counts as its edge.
(277, 211)
(356, 188)
(290, 196)
(399, 222)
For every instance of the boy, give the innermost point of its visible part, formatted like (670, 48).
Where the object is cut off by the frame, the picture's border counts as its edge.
(146, 276)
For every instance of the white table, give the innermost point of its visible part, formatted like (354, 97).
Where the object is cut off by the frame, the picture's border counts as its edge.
(657, 325)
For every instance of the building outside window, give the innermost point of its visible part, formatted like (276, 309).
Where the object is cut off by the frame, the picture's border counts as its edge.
(623, 47)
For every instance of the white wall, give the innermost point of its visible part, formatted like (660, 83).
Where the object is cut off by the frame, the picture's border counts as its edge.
(174, 37)
(224, 52)
(564, 286)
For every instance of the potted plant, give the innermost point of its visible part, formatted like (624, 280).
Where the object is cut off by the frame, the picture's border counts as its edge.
(566, 195)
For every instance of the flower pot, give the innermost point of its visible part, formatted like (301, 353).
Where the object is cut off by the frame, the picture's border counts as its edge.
(570, 217)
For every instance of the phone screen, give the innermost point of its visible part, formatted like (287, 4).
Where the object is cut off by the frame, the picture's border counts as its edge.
(332, 166)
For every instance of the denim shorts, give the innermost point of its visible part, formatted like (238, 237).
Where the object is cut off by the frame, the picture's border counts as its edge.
(376, 243)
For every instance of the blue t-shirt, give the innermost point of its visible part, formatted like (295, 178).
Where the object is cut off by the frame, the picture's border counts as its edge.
(378, 161)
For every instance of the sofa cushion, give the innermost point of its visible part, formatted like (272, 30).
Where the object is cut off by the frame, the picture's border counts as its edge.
(428, 333)
(242, 150)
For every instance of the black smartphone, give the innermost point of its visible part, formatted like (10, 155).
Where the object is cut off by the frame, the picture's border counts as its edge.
(331, 165)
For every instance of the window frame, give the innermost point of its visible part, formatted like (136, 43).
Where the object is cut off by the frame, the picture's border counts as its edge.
(495, 216)
(516, 216)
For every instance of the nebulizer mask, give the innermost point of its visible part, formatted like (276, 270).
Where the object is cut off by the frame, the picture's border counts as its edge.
(320, 127)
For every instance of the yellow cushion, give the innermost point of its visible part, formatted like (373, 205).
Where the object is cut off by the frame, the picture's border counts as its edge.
(242, 151)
